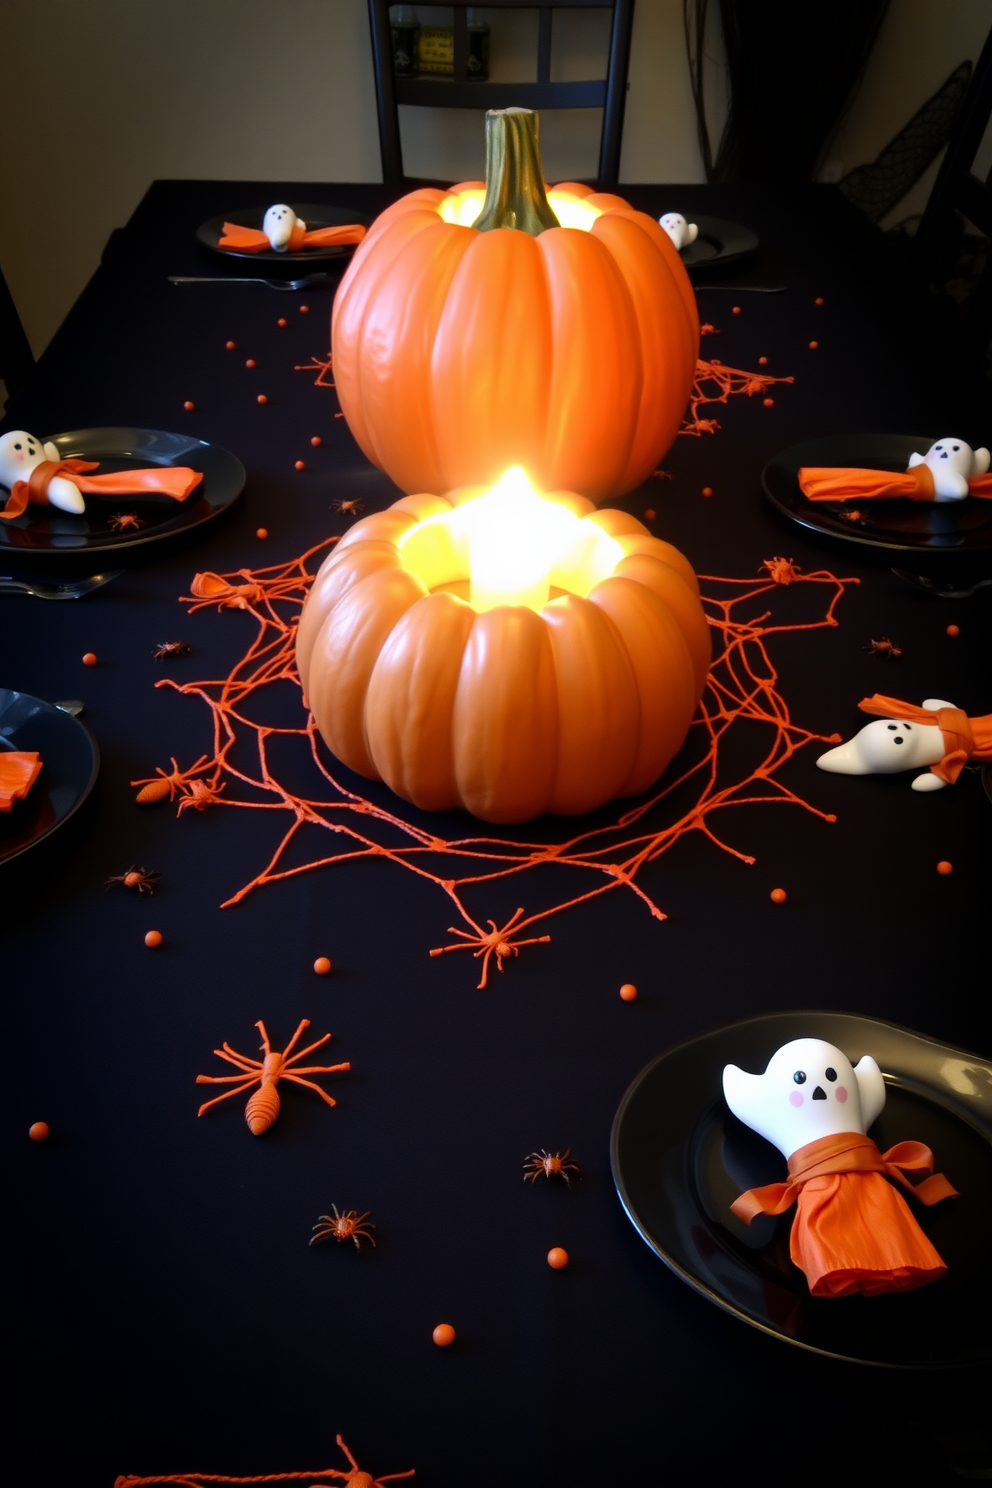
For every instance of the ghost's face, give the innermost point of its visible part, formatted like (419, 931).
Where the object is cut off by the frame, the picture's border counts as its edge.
(951, 454)
(278, 224)
(682, 233)
(883, 747)
(19, 454)
(809, 1090)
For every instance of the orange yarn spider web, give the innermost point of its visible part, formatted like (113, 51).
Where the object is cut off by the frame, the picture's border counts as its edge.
(742, 687)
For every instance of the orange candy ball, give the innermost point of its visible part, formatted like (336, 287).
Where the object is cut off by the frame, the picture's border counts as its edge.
(316, 441)
(250, 362)
(38, 1131)
(944, 867)
(768, 402)
(736, 310)
(153, 939)
(707, 490)
(444, 1335)
(261, 533)
(89, 659)
(818, 300)
(282, 323)
(762, 361)
(778, 896)
(189, 406)
(954, 630)
(557, 1258)
(628, 992)
(261, 398)
(322, 965)
(299, 465)
(813, 345)
(231, 345)
(304, 309)
(650, 514)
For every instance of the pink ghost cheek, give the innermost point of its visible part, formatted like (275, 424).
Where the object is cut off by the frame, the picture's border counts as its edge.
(795, 1099)
(841, 1094)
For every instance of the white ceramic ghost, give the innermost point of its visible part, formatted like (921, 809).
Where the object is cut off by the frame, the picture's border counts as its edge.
(20, 453)
(888, 745)
(682, 233)
(809, 1090)
(953, 464)
(278, 224)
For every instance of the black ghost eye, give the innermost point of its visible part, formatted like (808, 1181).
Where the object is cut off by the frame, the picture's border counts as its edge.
(17, 446)
(831, 1074)
(898, 741)
(893, 727)
(800, 1077)
(955, 447)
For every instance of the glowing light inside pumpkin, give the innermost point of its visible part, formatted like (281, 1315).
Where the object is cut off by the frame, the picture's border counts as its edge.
(571, 211)
(509, 546)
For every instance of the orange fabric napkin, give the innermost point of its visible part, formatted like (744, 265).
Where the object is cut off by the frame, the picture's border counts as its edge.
(252, 240)
(176, 481)
(841, 483)
(19, 769)
(853, 1232)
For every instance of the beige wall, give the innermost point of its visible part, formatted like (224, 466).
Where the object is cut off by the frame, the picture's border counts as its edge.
(242, 89)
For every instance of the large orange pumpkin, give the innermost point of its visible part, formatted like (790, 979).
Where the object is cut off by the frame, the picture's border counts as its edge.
(509, 712)
(462, 349)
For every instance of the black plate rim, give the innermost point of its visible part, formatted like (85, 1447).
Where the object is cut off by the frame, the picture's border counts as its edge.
(687, 1276)
(722, 228)
(124, 545)
(212, 227)
(94, 747)
(859, 539)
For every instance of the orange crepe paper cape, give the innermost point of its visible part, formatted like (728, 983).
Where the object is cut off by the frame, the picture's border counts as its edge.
(19, 769)
(853, 1232)
(176, 481)
(838, 483)
(964, 738)
(251, 240)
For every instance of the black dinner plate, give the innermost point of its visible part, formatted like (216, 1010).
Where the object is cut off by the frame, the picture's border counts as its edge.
(44, 538)
(210, 232)
(70, 763)
(895, 526)
(719, 242)
(680, 1158)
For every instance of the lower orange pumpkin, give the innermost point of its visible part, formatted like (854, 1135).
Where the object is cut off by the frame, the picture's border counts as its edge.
(510, 712)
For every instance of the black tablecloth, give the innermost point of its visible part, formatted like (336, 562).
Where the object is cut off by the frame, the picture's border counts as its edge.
(168, 1313)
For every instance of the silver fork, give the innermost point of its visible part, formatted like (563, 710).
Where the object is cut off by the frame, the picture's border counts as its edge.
(303, 283)
(68, 589)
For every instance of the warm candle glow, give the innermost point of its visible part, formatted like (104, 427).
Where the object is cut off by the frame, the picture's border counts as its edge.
(571, 211)
(514, 541)
(511, 545)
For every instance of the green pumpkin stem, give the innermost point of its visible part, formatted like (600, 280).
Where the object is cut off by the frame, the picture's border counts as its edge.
(515, 195)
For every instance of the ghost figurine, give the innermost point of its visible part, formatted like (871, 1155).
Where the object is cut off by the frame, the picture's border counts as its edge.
(682, 233)
(278, 225)
(853, 1231)
(953, 464)
(888, 745)
(20, 453)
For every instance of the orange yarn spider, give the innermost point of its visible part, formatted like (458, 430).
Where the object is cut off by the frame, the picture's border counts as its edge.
(263, 1107)
(349, 1225)
(782, 570)
(349, 508)
(496, 943)
(550, 1164)
(126, 521)
(355, 1476)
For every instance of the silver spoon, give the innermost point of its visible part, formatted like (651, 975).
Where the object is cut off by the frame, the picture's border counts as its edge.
(303, 283)
(69, 589)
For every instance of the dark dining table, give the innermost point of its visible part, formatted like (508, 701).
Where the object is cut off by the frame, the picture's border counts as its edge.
(165, 1311)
